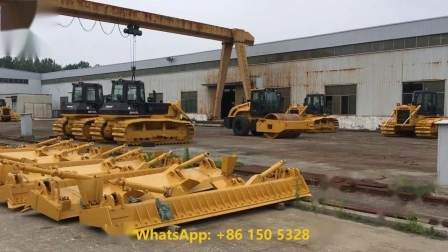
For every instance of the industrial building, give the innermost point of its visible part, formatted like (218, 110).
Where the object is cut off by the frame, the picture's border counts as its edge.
(23, 92)
(363, 73)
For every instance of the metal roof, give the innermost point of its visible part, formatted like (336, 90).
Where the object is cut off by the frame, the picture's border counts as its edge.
(17, 74)
(385, 32)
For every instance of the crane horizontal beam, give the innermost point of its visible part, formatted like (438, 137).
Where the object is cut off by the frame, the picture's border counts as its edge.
(124, 16)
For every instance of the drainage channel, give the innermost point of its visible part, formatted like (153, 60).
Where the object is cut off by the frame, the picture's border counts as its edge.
(369, 186)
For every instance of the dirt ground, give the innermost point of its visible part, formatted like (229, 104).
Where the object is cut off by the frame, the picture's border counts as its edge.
(346, 153)
(367, 154)
(32, 232)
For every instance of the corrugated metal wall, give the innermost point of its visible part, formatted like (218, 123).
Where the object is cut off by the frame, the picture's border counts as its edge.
(378, 76)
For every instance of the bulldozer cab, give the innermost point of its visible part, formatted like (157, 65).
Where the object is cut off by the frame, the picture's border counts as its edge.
(87, 98)
(427, 101)
(316, 104)
(2, 103)
(130, 92)
(88, 93)
(265, 101)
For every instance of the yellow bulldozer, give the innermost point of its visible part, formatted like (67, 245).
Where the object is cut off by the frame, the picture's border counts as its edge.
(125, 119)
(129, 119)
(7, 114)
(77, 116)
(415, 119)
(315, 112)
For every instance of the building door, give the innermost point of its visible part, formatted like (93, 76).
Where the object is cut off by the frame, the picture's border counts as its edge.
(432, 86)
(228, 100)
(63, 101)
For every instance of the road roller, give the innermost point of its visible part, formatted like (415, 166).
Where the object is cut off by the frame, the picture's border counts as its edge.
(263, 115)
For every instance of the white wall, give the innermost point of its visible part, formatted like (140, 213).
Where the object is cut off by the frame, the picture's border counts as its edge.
(23, 100)
(378, 76)
(33, 86)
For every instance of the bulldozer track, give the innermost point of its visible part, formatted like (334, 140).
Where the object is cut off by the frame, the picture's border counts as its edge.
(58, 127)
(323, 125)
(96, 129)
(426, 128)
(388, 129)
(121, 131)
(423, 129)
(79, 131)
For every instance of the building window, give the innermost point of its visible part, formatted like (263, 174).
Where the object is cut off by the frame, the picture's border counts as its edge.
(13, 81)
(158, 98)
(431, 86)
(341, 99)
(189, 101)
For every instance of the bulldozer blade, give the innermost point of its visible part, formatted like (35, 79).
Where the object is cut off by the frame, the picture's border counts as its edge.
(124, 220)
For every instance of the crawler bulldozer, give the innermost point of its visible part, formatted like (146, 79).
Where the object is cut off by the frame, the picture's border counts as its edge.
(120, 206)
(129, 119)
(7, 114)
(77, 116)
(415, 119)
(316, 114)
(263, 115)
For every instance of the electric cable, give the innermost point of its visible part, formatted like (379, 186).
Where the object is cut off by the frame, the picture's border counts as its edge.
(101, 25)
(68, 24)
(85, 28)
(113, 28)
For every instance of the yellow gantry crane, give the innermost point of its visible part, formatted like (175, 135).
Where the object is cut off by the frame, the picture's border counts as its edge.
(19, 14)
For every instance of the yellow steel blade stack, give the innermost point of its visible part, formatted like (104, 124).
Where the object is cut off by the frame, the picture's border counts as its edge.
(60, 198)
(180, 195)
(18, 175)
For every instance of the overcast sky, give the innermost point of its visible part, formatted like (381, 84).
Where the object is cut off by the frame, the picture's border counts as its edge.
(266, 20)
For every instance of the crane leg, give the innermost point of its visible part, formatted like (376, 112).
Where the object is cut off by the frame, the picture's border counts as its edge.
(223, 67)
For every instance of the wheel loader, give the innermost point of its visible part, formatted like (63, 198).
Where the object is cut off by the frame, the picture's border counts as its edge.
(7, 114)
(77, 116)
(120, 206)
(415, 119)
(315, 112)
(263, 115)
(129, 119)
